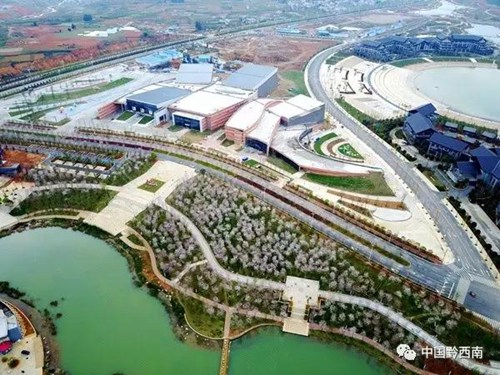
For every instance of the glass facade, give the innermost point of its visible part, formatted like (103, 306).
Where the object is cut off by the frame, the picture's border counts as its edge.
(187, 122)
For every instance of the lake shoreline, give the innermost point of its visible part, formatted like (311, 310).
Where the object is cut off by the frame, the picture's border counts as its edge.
(181, 330)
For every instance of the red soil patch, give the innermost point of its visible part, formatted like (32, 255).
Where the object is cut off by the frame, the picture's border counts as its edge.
(445, 367)
(87, 48)
(15, 11)
(27, 160)
(282, 52)
(49, 37)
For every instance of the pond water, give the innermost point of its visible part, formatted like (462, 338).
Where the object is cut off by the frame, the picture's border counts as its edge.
(472, 91)
(109, 325)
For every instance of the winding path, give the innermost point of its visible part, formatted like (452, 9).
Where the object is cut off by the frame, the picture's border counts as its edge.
(266, 284)
(337, 297)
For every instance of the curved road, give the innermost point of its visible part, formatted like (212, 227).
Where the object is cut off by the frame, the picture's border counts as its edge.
(338, 297)
(469, 264)
(439, 278)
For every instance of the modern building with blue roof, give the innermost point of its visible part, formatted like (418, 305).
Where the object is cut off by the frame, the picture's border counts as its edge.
(441, 145)
(470, 131)
(259, 78)
(417, 128)
(427, 110)
(487, 161)
(451, 126)
(155, 102)
(489, 136)
(398, 47)
(159, 58)
(466, 170)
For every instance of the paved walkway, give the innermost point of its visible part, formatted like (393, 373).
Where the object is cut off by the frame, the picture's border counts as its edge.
(484, 223)
(338, 297)
(268, 284)
(132, 200)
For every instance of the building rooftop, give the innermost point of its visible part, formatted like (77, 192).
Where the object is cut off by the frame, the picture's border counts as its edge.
(466, 37)
(286, 142)
(448, 142)
(4, 331)
(159, 58)
(298, 105)
(468, 169)
(469, 140)
(305, 102)
(451, 125)
(489, 135)
(486, 158)
(160, 95)
(205, 103)
(287, 110)
(250, 76)
(266, 128)
(469, 129)
(426, 109)
(249, 114)
(496, 170)
(195, 74)
(419, 123)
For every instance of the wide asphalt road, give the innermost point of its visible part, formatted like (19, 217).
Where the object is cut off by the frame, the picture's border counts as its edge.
(468, 262)
(443, 279)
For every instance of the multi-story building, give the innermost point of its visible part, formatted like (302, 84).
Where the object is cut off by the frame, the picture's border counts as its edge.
(259, 78)
(441, 145)
(417, 128)
(204, 110)
(397, 47)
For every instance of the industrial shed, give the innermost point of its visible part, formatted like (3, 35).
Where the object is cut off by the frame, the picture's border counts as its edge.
(300, 109)
(196, 74)
(204, 110)
(154, 102)
(262, 79)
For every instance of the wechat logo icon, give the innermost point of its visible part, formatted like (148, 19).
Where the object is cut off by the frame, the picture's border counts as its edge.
(404, 351)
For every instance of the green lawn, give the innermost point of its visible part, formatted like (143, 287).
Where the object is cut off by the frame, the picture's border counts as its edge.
(374, 184)
(145, 119)
(127, 173)
(194, 136)
(354, 112)
(90, 200)
(37, 115)
(280, 163)
(323, 139)
(19, 112)
(261, 167)
(251, 163)
(196, 314)
(176, 128)
(59, 97)
(297, 77)
(152, 185)
(435, 181)
(134, 239)
(407, 62)
(399, 134)
(349, 151)
(227, 143)
(125, 116)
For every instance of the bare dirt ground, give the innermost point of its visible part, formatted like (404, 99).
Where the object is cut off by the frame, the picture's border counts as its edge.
(283, 52)
(24, 158)
(384, 18)
(47, 36)
(14, 11)
(284, 85)
(77, 53)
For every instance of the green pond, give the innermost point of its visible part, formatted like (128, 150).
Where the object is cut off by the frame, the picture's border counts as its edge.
(109, 325)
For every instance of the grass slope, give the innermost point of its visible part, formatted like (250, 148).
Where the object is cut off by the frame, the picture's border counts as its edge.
(373, 184)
